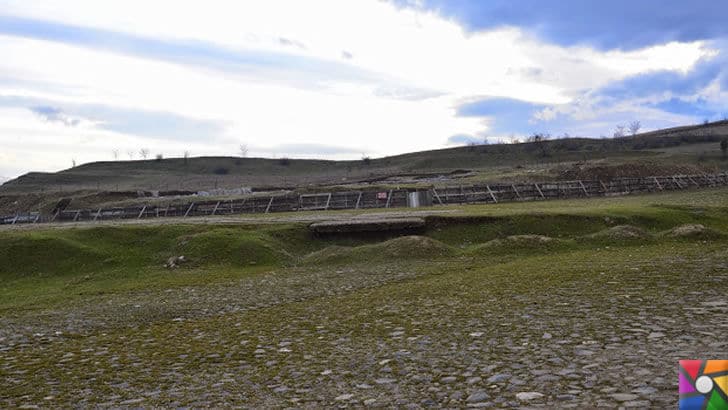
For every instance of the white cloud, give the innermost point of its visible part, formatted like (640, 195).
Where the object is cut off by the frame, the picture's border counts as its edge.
(418, 65)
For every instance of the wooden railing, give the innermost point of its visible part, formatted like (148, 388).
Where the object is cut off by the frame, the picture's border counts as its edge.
(393, 198)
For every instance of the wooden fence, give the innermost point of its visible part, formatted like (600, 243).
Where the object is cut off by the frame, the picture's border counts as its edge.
(393, 198)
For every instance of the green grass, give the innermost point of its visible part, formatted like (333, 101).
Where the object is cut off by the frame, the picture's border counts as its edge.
(51, 266)
(468, 274)
(47, 267)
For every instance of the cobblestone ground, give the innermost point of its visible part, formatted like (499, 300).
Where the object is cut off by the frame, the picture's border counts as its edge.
(579, 329)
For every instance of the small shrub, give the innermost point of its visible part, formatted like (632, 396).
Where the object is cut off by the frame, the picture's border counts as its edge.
(160, 157)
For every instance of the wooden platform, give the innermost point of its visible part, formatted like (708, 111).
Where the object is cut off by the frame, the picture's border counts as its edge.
(368, 225)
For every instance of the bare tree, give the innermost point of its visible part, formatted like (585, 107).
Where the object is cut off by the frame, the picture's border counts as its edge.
(130, 153)
(243, 148)
(144, 152)
(619, 131)
(115, 153)
(634, 127)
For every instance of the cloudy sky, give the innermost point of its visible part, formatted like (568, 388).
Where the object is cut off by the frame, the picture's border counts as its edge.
(344, 78)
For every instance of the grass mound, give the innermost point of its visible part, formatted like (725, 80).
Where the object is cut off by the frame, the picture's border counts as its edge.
(229, 246)
(693, 231)
(622, 233)
(39, 255)
(513, 243)
(405, 247)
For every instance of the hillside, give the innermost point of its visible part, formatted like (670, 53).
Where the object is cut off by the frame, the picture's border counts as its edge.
(691, 149)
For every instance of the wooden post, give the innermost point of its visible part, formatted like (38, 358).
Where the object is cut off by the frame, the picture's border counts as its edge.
(492, 195)
(14, 220)
(328, 201)
(516, 191)
(166, 210)
(584, 188)
(36, 218)
(144, 208)
(358, 200)
(434, 191)
(658, 183)
(604, 187)
(539, 191)
(389, 198)
(78, 213)
(267, 208)
(98, 213)
(215, 210)
(189, 209)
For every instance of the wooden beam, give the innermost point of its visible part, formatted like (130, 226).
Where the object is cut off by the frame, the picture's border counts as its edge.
(658, 183)
(98, 213)
(539, 191)
(189, 209)
(583, 188)
(604, 187)
(328, 201)
(215, 210)
(492, 195)
(518, 194)
(679, 185)
(144, 208)
(389, 198)
(166, 210)
(434, 191)
(267, 208)
(78, 213)
(14, 220)
(37, 217)
(358, 201)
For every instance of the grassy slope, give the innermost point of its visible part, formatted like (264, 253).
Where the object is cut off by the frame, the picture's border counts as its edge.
(494, 160)
(603, 295)
(47, 267)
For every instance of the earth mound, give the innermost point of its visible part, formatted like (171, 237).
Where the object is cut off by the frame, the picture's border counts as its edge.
(516, 242)
(622, 232)
(693, 231)
(404, 247)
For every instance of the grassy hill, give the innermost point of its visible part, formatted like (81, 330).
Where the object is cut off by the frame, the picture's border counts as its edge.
(675, 150)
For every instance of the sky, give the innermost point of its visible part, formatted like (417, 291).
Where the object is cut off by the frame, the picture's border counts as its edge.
(87, 80)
